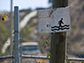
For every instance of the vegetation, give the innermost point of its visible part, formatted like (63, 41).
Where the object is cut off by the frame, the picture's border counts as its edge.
(26, 33)
(4, 34)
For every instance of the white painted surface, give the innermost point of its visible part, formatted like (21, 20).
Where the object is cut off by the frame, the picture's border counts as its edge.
(54, 20)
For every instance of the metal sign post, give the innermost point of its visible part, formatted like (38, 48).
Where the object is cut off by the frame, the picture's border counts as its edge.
(16, 34)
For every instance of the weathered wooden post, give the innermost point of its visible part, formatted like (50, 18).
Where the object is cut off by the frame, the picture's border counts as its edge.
(56, 21)
(58, 40)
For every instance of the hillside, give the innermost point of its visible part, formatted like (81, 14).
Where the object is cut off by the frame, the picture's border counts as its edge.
(76, 34)
(77, 14)
(30, 31)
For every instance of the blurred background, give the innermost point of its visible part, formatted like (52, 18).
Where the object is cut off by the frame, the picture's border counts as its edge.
(29, 33)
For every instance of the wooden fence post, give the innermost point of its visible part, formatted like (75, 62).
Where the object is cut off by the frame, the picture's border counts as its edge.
(58, 40)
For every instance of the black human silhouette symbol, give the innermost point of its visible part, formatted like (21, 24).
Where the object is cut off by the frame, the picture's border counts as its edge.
(60, 22)
(60, 27)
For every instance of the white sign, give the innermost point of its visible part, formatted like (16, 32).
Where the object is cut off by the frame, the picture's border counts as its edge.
(54, 20)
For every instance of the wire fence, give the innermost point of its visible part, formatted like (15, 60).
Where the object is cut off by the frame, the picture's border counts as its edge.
(35, 59)
(25, 59)
(5, 59)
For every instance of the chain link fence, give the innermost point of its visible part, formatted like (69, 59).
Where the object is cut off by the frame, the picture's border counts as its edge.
(25, 59)
(6, 59)
(36, 59)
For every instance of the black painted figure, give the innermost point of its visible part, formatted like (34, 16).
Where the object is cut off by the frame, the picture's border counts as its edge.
(60, 27)
(60, 22)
